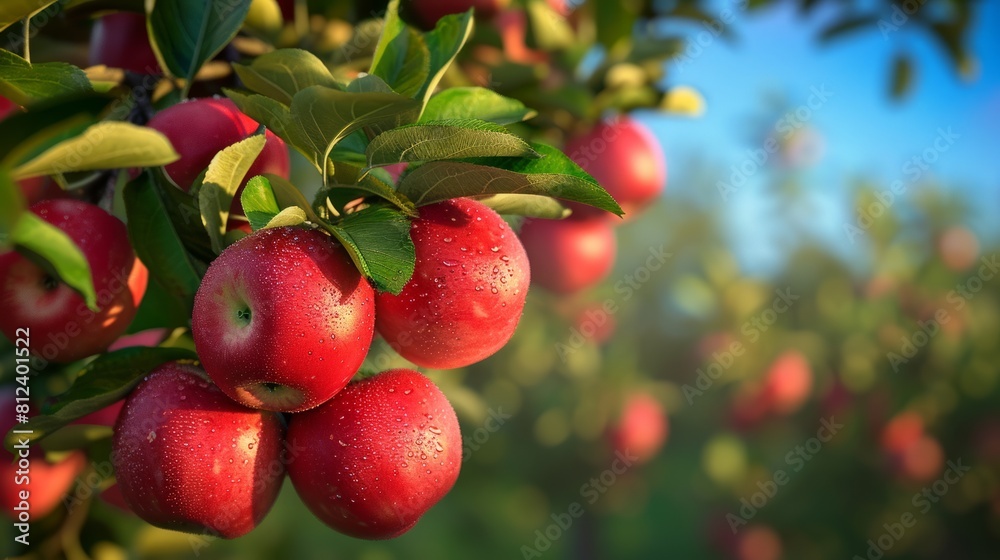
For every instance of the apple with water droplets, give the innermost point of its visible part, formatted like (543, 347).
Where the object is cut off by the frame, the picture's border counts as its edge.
(569, 256)
(467, 292)
(382, 452)
(188, 458)
(62, 328)
(283, 319)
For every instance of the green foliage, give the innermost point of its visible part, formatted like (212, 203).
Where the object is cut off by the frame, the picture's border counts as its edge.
(23, 82)
(223, 178)
(187, 33)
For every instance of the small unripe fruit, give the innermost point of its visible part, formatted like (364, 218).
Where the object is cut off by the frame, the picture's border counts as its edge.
(283, 319)
(380, 454)
(568, 256)
(62, 328)
(188, 458)
(467, 292)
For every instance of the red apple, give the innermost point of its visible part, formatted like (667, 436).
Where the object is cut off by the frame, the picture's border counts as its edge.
(7, 107)
(787, 384)
(37, 189)
(903, 431)
(188, 458)
(626, 159)
(283, 319)
(62, 328)
(958, 248)
(46, 483)
(568, 256)
(467, 291)
(428, 12)
(758, 542)
(513, 26)
(642, 428)
(382, 452)
(120, 40)
(149, 337)
(920, 462)
(200, 128)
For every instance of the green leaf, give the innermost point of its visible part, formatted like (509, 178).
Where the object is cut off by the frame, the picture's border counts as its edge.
(13, 11)
(452, 139)
(475, 103)
(103, 382)
(24, 83)
(615, 20)
(51, 248)
(47, 119)
(268, 112)
(183, 211)
(283, 73)
(157, 242)
(270, 195)
(105, 145)
(530, 205)
(443, 44)
(291, 216)
(554, 175)
(369, 83)
(901, 80)
(547, 28)
(12, 205)
(258, 202)
(222, 179)
(187, 33)
(378, 241)
(369, 185)
(847, 25)
(401, 57)
(324, 116)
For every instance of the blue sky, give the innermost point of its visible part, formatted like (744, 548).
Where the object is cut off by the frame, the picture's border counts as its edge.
(866, 134)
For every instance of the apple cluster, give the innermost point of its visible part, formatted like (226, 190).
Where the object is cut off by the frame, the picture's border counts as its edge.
(282, 323)
(571, 255)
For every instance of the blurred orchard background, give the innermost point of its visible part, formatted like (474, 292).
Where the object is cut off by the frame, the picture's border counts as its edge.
(798, 341)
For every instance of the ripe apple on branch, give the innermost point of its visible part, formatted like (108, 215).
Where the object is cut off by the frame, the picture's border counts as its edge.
(277, 314)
